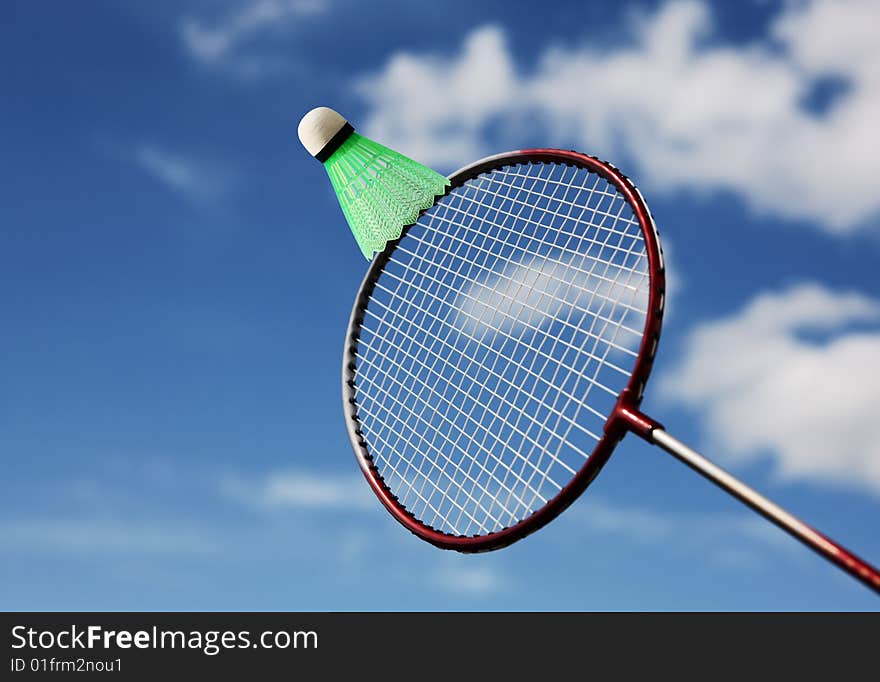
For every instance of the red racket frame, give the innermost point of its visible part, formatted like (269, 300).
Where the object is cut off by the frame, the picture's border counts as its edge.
(625, 416)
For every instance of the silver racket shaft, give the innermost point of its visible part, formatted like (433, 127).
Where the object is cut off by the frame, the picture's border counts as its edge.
(841, 557)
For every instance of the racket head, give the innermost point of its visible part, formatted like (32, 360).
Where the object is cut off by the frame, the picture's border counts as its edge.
(618, 420)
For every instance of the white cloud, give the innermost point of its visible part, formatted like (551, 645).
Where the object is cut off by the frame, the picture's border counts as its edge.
(531, 293)
(636, 524)
(433, 108)
(90, 536)
(690, 116)
(299, 489)
(646, 525)
(796, 375)
(473, 580)
(196, 180)
(737, 541)
(224, 43)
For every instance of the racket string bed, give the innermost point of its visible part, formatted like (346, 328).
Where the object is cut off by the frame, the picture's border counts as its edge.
(514, 428)
(472, 461)
(446, 413)
(544, 450)
(496, 316)
(518, 420)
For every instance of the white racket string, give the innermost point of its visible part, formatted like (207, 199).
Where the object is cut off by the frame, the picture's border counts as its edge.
(495, 342)
(518, 419)
(486, 329)
(461, 432)
(498, 461)
(429, 354)
(609, 344)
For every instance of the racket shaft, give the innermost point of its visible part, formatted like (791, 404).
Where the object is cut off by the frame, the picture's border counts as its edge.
(829, 549)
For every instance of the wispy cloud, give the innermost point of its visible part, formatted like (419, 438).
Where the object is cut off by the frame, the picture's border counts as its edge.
(654, 525)
(196, 180)
(726, 540)
(794, 375)
(533, 292)
(319, 520)
(300, 489)
(296, 491)
(691, 116)
(98, 536)
(236, 41)
(475, 580)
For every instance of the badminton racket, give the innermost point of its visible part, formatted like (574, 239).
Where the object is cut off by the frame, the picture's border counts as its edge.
(499, 350)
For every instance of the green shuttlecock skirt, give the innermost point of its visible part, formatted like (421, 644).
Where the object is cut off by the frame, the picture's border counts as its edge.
(380, 191)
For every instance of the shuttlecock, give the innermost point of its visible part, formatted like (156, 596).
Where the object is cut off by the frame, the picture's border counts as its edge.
(380, 191)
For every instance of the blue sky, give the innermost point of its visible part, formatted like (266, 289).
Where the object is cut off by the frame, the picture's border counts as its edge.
(176, 279)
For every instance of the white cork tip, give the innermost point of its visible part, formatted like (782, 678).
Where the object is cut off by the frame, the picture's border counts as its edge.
(318, 127)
